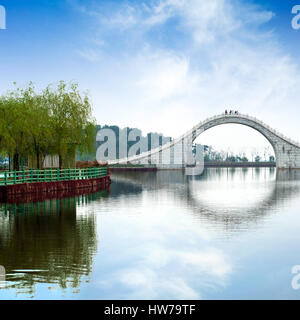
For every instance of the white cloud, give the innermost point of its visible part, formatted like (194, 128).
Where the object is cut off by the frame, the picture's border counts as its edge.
(179, 61)
(191, 273)
(205, 19)
(89, 54)
(126, 18)
(148, 284)
(163, 75)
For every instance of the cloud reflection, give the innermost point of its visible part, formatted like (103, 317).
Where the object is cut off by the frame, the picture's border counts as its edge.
(172, 274)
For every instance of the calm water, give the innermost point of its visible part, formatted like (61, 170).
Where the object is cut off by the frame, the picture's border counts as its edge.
(231, 233)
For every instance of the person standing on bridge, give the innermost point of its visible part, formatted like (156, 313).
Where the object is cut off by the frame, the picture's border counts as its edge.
(226, 112)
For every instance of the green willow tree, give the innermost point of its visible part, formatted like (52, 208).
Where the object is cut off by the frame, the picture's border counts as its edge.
(40, 130)
(14, 127)
(57, 121)
(72, 124)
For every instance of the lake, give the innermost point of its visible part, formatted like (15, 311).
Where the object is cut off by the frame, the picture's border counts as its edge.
(228, 234)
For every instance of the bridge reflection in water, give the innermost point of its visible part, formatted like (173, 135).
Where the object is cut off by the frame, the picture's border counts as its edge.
(231, 199)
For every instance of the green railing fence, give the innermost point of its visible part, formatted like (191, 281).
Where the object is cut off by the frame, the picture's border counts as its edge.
(46, 175)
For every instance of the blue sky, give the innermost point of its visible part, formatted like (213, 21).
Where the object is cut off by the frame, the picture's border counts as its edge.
(161, 65)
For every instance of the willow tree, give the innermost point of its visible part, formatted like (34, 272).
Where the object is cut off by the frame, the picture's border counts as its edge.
(39, 128)
(14, 126)
(71, 122)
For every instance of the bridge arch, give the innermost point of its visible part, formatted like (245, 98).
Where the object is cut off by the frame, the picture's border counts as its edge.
(232, 119)
(287, 151)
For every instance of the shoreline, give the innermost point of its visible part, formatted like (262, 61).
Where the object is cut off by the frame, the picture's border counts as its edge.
(206, 165)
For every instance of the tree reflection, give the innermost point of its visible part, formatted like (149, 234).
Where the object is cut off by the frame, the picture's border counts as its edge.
(46, 242)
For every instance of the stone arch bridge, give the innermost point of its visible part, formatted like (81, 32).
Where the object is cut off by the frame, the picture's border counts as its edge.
(174, 153)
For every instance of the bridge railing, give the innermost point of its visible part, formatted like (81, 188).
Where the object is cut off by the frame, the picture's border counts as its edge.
(47, 175)
(246, 116)
(272, 130)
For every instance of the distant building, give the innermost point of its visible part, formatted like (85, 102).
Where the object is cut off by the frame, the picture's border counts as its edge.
(150, 140)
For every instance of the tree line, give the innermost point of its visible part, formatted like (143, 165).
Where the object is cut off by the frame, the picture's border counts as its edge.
(54, 121)
(220, 156)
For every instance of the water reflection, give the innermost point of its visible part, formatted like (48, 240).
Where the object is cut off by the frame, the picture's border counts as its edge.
(232, 199)
(221, 235)
(47, 242)
(230, 233)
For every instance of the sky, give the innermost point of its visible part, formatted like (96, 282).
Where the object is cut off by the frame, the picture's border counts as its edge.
(163, 65)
